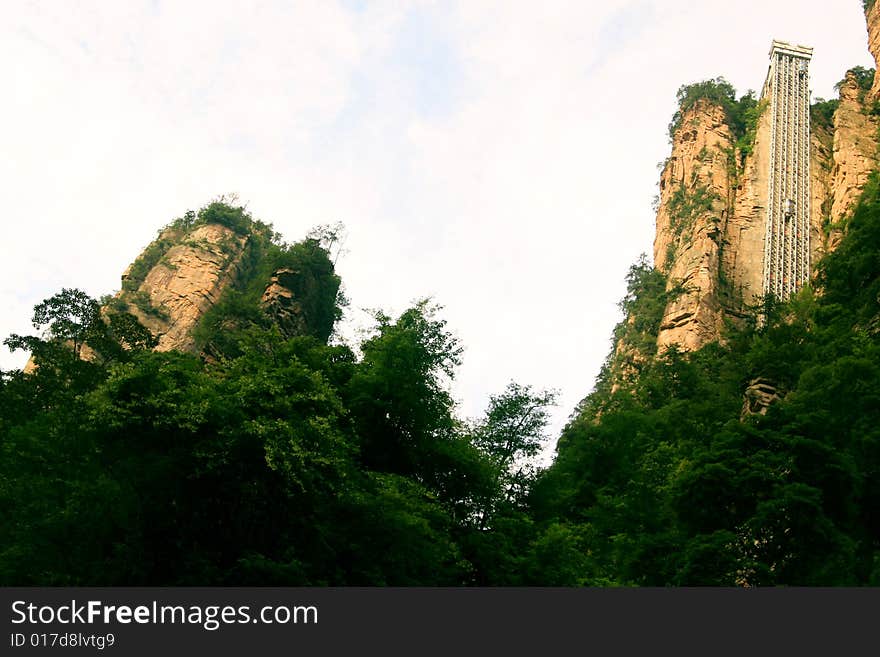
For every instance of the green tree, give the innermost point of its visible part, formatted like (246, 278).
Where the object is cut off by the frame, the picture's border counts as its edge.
(511, 435)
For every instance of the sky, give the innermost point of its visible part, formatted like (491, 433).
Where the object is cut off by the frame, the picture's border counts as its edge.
(499, 157)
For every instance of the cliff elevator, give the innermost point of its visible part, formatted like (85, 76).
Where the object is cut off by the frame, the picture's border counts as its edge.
(787, 237)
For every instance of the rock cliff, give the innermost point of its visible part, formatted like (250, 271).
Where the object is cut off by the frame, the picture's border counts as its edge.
(223, 259)
(872, 16)
(192, 272)
(695, 194)
(742, 266)
(712, 211)
(854, 154)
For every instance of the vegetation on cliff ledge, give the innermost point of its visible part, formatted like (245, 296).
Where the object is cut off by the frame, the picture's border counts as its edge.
(741, 114)
(822, 114)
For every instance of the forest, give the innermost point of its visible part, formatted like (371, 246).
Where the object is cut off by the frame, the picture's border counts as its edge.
(300, 460)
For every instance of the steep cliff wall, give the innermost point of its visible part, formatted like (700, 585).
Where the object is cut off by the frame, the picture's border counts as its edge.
(189, 278)
(712, 212)
(280, 303)
(743, 246)
(695, 192)
(821, 183)
(854, 154)
(872, 17)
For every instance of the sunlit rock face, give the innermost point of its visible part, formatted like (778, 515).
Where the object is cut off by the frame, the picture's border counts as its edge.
(188, 279)
(712, 212)
(854, 154)
(872, 17)
(695, 189)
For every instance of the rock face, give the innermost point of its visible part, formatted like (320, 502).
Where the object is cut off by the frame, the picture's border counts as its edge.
(187, 280)
(694, 198)
(758, 396)
(854, 153)
(280, 303)
(821, 184)
(712, 212)
(872, 16)
(742, 266)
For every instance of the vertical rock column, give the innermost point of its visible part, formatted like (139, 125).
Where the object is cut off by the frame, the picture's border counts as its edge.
(695, 194)
(854, 153)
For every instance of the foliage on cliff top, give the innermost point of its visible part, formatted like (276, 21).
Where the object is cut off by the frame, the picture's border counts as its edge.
(745, 122)
(223, 211)
(739, 112)
(864, 78)
(822, 113)
(310, 277)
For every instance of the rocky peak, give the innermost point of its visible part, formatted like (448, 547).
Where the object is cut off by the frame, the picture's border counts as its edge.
(178, 277)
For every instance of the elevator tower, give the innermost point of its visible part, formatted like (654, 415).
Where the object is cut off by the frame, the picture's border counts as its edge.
(787, 236)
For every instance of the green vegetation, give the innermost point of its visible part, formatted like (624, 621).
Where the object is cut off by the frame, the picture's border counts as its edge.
(864, 78)
(308, 273)
(742, 114)
(669, 485)
(822, 113)
(634, 339)
(224, 211)
(685, 205)
(751, 111)
(718, 91)
(147, 260)
(142, 301)
(643, 306)
(285, 460)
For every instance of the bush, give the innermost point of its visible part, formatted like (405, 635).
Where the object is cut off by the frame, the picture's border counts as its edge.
(822, 113)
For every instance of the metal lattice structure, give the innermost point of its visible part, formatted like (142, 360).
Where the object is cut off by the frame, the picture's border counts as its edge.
(787, 239)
